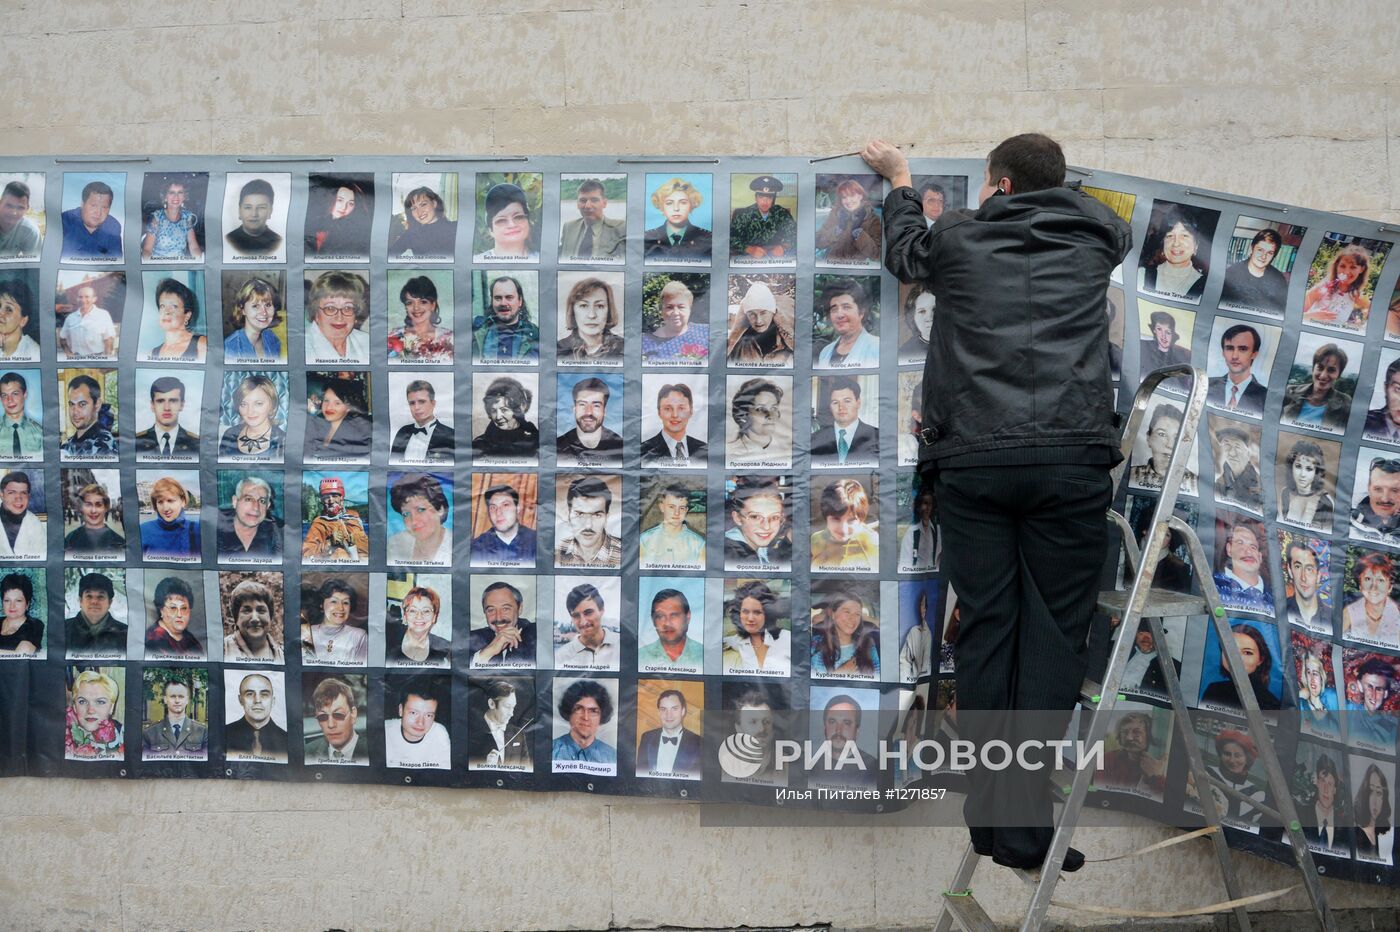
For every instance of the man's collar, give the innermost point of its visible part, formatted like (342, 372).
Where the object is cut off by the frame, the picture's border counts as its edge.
(1230, 574)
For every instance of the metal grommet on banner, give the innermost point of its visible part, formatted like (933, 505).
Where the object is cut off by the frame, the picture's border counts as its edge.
(590, 787)
(685, 794)
(228, 772)
(122, 771)
(500, 782)
(408, 779)
(318, 776)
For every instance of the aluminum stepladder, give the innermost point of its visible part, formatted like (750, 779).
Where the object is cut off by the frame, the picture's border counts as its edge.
(1142, 602)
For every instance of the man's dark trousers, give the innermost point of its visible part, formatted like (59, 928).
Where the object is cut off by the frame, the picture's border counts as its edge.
(1023, 549)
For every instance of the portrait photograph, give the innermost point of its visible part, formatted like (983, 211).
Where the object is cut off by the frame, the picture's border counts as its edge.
(174, 613)
(1371, 699)
(1323, 796)
(173, 210)
(173, 325)
(1317, 686)
(175, 714)
(24, 630)
(671, 625)
(1231, 756)
(1114, 306)
(23, 499)
(93, 217)
(506, 317)
(1238, 364)
(909, 410)
(760, 320)
(1259, 266)
(168, 511)
(420, 310)
(335, 719)
(756, 635)
(337, 316)
(590, 319)
(940, 193)
(584, 726)
(421, 421)
(1382, 413)
(92, 514)
(418, 622)
(423, 217)
(758, 528)
(255, 316)
(675, 421)
(918, 629)
(1305, 478)
(589, 415)
(1371, 599)
(255, 217)
(19, 315)
(1242, 570)
(845, 421)
(1153, 447)
(419, 520)
(763, 219)
(509, 216)
(849, 210)
(587, 622)
(22, 426)
(1375, 497)
(339, 418)
(1137, 751)
(670, 729)
(1373, 809)
(1164, 339)
(920, 546)
(845, 524)
(505, 419)
(23, 221)
(1143, 674)
(94, 700)
(676, 319)
(505, 621)
(1234, 449)
(1342, 282)
(917, 305)
(333, 527)
(166, 416)
(1175, 258)
(1321, 383)
(252, 513)
(253, 416)
(255, 716)
(504, 519)
(89, 429)
(1307, 581)
(252, 608)
(1174, 569)
(679, 219)
(1258, 642)
(339, 215)
(88, 311)
(758, 432)
(335, 619)
(846, 322)
(417, 716)
(673, 510)
(755, 716)
(588, 521)
(502, 722)
(1392, 316)
(845, 630)
(593, 219)
(95, 612)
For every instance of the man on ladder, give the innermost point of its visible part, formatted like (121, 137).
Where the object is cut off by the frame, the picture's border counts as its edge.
(1018, 441)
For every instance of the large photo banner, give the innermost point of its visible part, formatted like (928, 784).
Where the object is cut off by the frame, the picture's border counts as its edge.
(519, 473)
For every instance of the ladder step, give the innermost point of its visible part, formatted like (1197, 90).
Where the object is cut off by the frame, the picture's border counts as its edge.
(968, 913)
(1161, 603)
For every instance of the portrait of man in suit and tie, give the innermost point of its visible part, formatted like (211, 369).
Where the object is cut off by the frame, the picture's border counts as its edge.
(425, 439)
(336, 710)
(670, 751)
(846, 439)
(499, 736)
(1239, 388)
(167, 439)
(597, 234)
(681, 411)
(176, 735)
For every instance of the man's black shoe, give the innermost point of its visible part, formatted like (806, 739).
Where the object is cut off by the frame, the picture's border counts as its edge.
(1074, 860)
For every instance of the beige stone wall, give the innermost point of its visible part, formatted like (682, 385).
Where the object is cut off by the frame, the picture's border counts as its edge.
(1291, 101)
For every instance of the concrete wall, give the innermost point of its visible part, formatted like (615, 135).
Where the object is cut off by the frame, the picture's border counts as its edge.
(1293, 101)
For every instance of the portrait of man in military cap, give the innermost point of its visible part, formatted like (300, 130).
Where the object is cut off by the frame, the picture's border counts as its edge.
(765, 231)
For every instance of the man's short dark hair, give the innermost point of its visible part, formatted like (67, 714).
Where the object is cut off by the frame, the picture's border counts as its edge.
(1391, 370)
(583, 593)
(1267, 234)
(680, 388)
(95, 582)
(586, 689)
(844, 382)
(12, 477)
(1324, 765)
(676, 490)
(1033, 162)
(929, 187)
(1300, 545)
(96, 187)
(664, 594)
(14, 378)
(88, 382)
(166, 383)
(588, 487)
(420, 385)
(672, 692)
(256, 186)
(501, 489)
(843, 699)
(592, 184)
(502, 584)
(593, 384)
(1238, 329)
(1375, 666)
(329, 689)
(422, 686)
(16, 189)
(519, 289)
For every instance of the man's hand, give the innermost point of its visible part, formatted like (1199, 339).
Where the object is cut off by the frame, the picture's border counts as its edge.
(506, 638)
(889, 162)
(757, 252)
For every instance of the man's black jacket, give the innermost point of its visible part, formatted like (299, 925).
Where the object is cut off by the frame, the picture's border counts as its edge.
(1018, 368)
